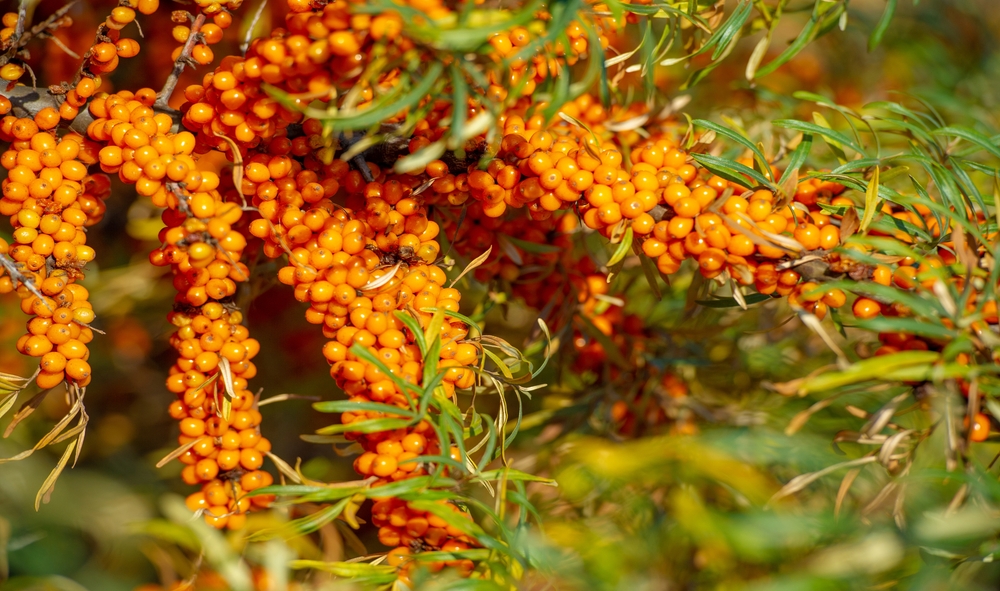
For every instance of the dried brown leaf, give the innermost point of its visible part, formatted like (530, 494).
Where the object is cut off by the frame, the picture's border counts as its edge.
(845, 487)
(50, 482)
(26, 409)
(803, 480)
(237, 165)
(176, 453)
(285, 468)
(849, 224)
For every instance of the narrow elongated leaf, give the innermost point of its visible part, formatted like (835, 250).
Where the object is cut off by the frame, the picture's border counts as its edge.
(453, 518)
(871, 201)
(375, 115)
(825, 132)
(356, 571)
(869, 369)
(728, 32)
(414, 326)
(886, 324)
(352, 406)
(882, 26)
(50, 481)
(803, 480)
(512, 474)
(366, 355)
(304, 525)
(623, 248)
(366, 426)
(835, 145)
(473, 265)
(738, 138)
(8, 402)
(805, 36)
(970, 135)
(733, 171)
(757, 55)
(754, 298)
(420, 158)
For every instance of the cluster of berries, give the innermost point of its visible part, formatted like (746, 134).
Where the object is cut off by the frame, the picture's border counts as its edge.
(51, 199)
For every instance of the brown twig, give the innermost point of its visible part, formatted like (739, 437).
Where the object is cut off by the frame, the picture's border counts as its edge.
(182, 60)
(63, 47)
(22, 16)
(28, 101)
(21, 37)
(13, 268)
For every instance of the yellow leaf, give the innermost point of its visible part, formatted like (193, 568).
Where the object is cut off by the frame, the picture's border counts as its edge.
(871, 201)
(50, 481)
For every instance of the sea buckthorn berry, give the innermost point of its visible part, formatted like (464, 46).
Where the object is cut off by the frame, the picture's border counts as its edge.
(11, 72)
(865, 308)
(980, 429)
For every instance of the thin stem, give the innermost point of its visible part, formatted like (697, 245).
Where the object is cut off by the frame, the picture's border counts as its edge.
(22, 17)
(13, 268)
(253, 25)
(42, 29)
(28, 101)
(168, 87)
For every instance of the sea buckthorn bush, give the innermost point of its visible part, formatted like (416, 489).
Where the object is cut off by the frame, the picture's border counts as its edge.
(425, 294)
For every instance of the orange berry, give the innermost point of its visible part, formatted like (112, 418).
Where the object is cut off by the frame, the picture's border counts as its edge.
(865, 308)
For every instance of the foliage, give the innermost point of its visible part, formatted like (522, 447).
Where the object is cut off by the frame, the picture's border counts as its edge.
(628, 417)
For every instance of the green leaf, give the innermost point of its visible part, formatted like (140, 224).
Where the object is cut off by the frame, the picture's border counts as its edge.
(287, 490)
(512, 474)
(610, 348)
(970, 135)
(825, 132)
(460, 91)
(738, 138)
(728, 32)
(874, 368)
(356, 571)
(433, 336)
(882, 26)
(733, 171)
(420, 158)
(835, 146)
(754, 298)
(353, 406)
(807, 34)
(364, 354)
(908, 325)
(411, 323)
(366, 426)
(304, 525)
(801, 152)
(447, 514)
(458, 316)
(532, 247)
(466, 39)
(410, 486)
(372, 116)
(928, 307)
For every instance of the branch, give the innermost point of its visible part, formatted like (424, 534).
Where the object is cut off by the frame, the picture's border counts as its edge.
(253, 25)
(42, 29)
(13, 268)
(386, 153)
(182, 60)
(28, 101)
(22, 16)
